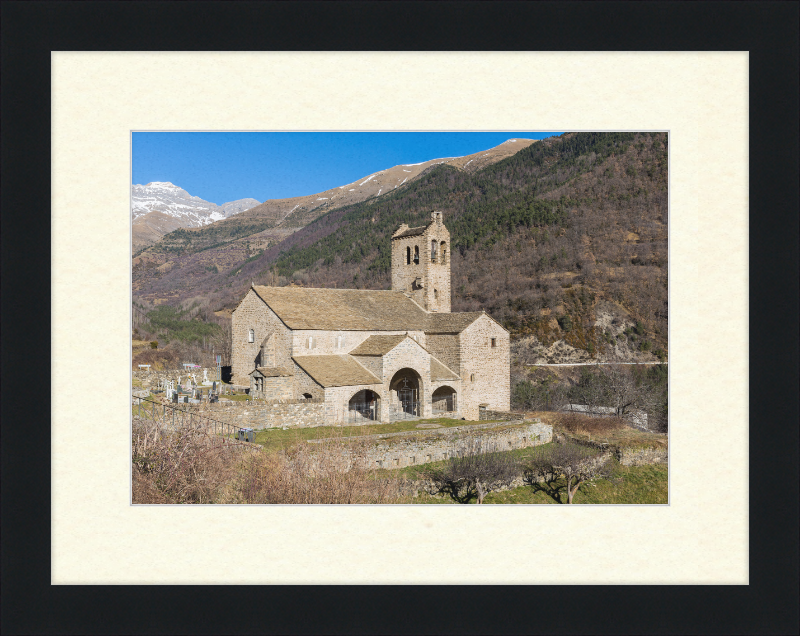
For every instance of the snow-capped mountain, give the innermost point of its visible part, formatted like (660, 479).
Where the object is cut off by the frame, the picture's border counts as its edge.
(159, 207)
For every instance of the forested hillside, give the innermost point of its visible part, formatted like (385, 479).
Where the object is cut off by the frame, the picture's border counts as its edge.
(565, 240)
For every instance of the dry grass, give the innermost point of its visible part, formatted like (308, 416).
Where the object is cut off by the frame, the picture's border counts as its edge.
(611, 430)
(576, 423)
(191, 465)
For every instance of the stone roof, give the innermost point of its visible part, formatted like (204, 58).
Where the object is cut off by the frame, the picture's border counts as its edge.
(451, 323)
(273, 372)
(412, 231)
(378, 345)
(441, 372)
(344, 309)
(336, 370)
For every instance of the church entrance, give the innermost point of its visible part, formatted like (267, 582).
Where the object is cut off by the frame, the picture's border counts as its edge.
(405, 395)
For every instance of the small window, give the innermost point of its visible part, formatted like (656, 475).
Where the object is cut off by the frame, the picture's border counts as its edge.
(472, 378)
(494, 342)
(416, 255)
(408, 256)
(307, 396)
(433, 251)
(435, 294)
(444, 253)
(251, 336)
(339, 342)
(311, 343)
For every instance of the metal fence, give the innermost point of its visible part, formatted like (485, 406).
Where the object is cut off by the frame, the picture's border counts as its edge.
(170, 418)
(406, 411)
(358, 412)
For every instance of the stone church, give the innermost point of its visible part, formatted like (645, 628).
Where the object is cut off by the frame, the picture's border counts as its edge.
(375, 354)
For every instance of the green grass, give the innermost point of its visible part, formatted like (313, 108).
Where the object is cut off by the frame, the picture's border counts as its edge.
(627, 485)
(275, 439)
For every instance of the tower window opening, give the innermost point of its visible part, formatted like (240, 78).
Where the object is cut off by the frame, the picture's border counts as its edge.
(408, 256)
(435, 294)
(494, 342)
(416, 255)
(251, 336)
(311, 343)
(433, 251)
(444, 253)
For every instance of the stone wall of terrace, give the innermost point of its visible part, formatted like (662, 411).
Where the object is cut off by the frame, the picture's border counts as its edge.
(397, 450)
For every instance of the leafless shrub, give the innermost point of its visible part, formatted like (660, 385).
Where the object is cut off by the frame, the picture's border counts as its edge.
(469, 473)
(180, 465)
(576, 463)
(188, 464)
(334, 473)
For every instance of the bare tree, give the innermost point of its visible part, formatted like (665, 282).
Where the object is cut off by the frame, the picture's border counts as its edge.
(578, 465)
(471, 473)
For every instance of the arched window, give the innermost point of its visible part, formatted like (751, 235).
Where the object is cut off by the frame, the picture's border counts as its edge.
(416, 255)
(408, 256)
(444, 253)
(251, 336)
(433, 251)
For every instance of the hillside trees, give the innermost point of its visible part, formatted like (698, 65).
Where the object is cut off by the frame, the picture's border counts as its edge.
(584, 211)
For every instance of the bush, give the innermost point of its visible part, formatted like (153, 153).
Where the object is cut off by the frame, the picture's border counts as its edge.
(472, 474)
(154, 344)
(565, 322)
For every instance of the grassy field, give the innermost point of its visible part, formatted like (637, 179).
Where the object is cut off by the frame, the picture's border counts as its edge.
(627, 485)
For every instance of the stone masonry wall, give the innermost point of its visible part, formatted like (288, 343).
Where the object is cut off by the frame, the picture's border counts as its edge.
(490, 366)
(258, 415)
(436, 276)
(253, 313)
(445, 347)
(325, 342)
(303, 383)
(397, 450)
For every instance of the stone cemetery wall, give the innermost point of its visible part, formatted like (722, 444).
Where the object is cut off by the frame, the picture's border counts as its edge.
(397, 450)
(258, 415)
(150, 377)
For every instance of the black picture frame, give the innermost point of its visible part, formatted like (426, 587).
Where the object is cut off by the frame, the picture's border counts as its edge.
(768, 30)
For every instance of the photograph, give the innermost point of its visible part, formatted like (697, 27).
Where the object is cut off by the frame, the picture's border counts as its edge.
(399, 317)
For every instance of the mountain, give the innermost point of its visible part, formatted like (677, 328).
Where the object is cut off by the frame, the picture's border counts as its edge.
(563, 242)
(260, 223)
(160, 207)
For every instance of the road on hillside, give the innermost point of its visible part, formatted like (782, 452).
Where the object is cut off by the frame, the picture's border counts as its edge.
(584, 364)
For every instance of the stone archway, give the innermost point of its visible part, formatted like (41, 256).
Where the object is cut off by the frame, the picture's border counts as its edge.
(405, 391)
(444, 400)
(364, 406)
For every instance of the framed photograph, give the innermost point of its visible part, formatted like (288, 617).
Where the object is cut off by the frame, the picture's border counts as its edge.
(727, 116)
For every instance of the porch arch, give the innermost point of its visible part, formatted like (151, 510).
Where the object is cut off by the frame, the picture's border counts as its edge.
(405, 394)
(444, 400)
(364, 406)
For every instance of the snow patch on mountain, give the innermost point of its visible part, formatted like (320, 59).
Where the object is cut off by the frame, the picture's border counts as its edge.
(173, 201)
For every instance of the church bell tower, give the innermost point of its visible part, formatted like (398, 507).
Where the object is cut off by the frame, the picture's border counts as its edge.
(421, 263)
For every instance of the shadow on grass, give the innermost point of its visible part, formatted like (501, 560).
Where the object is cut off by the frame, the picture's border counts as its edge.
(549, 488)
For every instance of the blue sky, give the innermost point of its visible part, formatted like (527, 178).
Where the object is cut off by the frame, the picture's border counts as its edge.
(226, 166)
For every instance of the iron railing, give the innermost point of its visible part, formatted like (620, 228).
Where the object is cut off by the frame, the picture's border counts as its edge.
(359, 412)
(406, 411)
(170, 419)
